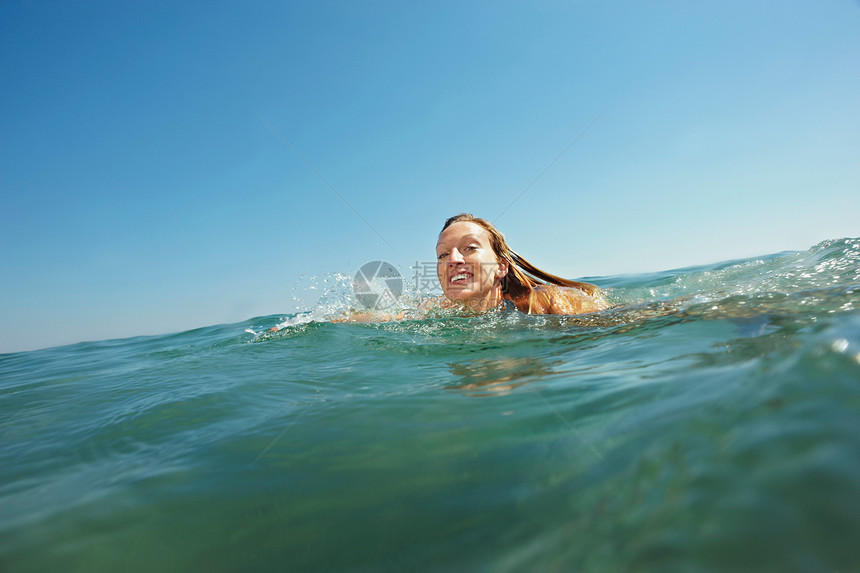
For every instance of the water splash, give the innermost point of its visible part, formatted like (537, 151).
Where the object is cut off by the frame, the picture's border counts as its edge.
(824, 278)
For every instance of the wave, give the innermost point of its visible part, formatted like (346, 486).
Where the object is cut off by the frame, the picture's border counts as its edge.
(826, 277)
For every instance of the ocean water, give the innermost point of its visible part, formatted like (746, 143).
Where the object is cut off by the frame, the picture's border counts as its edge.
(709, 422)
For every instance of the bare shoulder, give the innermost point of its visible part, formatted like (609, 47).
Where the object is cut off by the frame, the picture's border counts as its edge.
(576, 301)
(551, 299)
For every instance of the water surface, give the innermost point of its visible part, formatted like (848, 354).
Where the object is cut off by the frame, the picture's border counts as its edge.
(710, 422)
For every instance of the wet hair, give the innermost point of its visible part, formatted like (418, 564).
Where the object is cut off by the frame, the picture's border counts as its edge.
(522, 276)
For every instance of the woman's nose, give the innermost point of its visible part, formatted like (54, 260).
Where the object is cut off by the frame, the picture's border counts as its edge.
(456, 257)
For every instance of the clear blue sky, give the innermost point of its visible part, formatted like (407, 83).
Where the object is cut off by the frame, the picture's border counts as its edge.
(141, 193)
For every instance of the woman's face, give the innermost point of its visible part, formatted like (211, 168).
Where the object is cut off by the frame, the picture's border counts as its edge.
(468, 269)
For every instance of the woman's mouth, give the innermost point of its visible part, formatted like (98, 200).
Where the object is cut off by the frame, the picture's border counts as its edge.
(459, 278)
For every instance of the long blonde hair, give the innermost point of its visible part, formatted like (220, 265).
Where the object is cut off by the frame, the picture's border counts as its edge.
(522, 276)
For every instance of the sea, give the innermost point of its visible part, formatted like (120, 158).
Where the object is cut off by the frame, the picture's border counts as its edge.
(708, 421)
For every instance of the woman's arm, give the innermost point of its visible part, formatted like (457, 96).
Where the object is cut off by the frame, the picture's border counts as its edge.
(417, 313)
(364, 316)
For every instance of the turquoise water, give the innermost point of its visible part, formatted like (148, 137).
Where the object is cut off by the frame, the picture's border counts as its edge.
(710, 422)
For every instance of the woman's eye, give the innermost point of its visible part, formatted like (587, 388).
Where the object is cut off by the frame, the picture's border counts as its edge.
(441, 256)
(472, 248)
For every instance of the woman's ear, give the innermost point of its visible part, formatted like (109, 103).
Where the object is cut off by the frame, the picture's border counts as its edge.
(503, 268)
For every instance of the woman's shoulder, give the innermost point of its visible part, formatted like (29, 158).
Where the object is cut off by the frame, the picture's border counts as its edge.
(552, 299)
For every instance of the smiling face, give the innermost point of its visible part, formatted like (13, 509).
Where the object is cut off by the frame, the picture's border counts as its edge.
(468, 269)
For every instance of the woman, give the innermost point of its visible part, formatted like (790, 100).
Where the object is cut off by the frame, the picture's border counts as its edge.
(479, 271)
